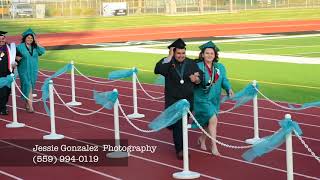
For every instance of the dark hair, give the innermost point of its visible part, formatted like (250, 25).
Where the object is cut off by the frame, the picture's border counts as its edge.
(174, 49)
(33, 44)
(216, 55)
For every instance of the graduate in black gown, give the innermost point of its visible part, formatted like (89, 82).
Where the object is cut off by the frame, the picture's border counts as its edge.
(181, 76)
(4, 71)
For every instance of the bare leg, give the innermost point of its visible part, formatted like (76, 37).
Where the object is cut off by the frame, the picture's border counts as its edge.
(213, 122)
(29, 102)
(202, 141)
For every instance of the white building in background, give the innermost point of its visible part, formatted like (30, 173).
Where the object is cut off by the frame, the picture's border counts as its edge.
(34, 1)
(20, 1)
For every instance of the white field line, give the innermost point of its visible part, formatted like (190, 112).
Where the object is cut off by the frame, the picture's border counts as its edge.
(241, 56)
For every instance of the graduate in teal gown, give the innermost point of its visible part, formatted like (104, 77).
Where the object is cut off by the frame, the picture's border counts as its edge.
(28, 52)
(207, 94)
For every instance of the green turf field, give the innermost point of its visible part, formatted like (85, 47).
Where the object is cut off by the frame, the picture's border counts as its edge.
(54, 25)
(305, 47)
(299, 47)
(279, 81)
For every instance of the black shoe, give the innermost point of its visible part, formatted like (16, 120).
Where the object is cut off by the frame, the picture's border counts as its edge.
(180, 155)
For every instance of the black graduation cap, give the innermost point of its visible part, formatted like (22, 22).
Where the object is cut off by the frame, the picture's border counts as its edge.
(2, 33)
(179, 43)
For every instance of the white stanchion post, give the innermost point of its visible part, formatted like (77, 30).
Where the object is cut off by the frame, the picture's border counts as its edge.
(256, 137)
(73, 89)
(117, 154)
(186, 173)
(135, 98)
(14, 123)
(289, 151)
(53, 135)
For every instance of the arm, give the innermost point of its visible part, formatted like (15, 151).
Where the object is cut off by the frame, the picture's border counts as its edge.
(162, 67)
(41, 50)
(225, 81)
(200, 74)
(197, 75)
(18, 56)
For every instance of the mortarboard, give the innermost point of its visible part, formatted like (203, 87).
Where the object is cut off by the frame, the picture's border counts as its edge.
(2, 33)
(28, 32)
(209, 44)
(179, 43)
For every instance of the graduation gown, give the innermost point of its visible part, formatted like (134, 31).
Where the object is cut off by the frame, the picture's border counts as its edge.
(28, 66)
(207, 101)
(4, 71)
(174, 90)
(5, 61)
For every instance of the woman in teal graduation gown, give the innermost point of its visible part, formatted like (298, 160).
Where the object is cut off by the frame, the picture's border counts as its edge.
(207, 94)
(28, 52)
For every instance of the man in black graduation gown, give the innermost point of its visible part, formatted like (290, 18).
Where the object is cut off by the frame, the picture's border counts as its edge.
(4, 71)
(181, 75)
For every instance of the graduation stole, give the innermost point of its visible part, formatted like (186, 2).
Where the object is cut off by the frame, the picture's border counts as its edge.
(9, 56)
(7, 51)
(213, 76)
(29, 50)
(11, 51)
(181, 72)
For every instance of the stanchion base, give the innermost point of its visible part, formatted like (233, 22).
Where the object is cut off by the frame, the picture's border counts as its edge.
(253, 140)
(74, 103)
(135, 116)
(15, 125)
(118, 154)
(186, 175)
(53, 136)
(34, 95)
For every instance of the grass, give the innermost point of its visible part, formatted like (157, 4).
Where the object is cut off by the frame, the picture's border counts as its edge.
(293, 83)
(302, 47)
(54, 25)
(279, 81)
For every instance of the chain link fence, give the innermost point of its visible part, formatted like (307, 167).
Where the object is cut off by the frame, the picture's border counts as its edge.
(84, 8)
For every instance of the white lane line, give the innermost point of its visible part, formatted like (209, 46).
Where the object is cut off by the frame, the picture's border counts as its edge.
(10, 175)
(230, 55)
(164, 142)
(153, 161)
(75, 165)
(161, 93)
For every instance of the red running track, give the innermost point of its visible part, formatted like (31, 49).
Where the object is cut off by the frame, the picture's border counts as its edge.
(172, 32)
(233, 129)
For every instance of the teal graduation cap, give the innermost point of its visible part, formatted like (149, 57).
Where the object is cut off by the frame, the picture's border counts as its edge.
(28, 32)
(209, 44)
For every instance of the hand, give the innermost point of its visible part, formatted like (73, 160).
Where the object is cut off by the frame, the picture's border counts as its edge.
(171, 53)
(230, 93)
(18, 58)
(14, 65)
(35, 39)
(37, 43)
(195, 77)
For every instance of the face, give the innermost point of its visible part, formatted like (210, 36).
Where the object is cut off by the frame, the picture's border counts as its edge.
(2, 40)
(29, 39)
(180, 55)
(208, 55)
